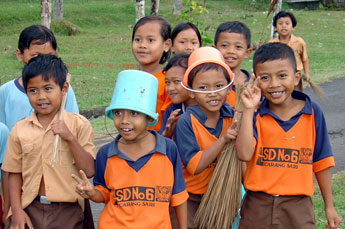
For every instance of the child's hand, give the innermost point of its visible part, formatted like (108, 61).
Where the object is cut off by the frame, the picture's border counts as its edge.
(59, 127)
(333, 218)
(84, 188)
(230, 133)
(306, 77)
(252, 94)
(20, 219)
(171, 123)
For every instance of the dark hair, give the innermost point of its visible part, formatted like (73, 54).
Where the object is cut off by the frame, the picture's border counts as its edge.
(178, 60)
(38, 34)
(273, 51)
(284, 14)
(233, 27)
(47, 66)
(206, 67)
(184, 26)
(165, 32)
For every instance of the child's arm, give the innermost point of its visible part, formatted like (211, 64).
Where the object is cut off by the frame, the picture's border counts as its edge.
(83, 159)
(244, 141)
(19, 217)
(85, 189)
(5, 194)
(306, 70)
(181, 215)
(171, 123)
(324, 180)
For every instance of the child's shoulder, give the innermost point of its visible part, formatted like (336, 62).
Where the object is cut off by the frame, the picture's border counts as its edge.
(296, 39)
(77, 118)
(8, 87)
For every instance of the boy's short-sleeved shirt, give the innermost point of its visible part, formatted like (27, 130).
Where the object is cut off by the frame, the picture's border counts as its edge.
(287, 153)
(299, 48)
(3, 141)
(29, 151)
(15, 105)
(192, 137)
(138, 193)
(231, 99)
(167, 113)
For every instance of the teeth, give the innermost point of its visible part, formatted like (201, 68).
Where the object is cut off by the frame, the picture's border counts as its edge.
(213, 102)
(276, 93)
(126, 130)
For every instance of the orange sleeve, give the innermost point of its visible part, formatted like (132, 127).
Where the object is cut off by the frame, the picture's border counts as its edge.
(323, 164)
(194, 162)
(179, 198)
(105, 192)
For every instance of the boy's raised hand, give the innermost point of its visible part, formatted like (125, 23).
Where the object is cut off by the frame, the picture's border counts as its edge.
(171, 123)
(84, 188)
(231, 132)
(20, 220)
(251, 95)
(59, 127)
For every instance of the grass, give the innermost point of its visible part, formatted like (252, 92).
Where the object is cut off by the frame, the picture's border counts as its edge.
(102, 48)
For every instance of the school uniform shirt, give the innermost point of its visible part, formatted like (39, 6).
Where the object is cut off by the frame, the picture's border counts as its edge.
(29, 151)
(231, 99)
(138, 193)
(288, 152)
(192, 137)
(167, 113)
(299, 48)
(3, 141)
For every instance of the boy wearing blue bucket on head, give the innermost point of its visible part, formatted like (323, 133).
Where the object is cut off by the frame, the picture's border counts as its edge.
(139, 174)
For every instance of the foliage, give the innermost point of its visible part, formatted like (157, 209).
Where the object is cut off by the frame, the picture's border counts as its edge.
(64, 28)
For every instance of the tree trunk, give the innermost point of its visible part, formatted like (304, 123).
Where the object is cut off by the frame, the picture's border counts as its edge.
(140, 9)
(46, 9)
(58, 10)
(177, 7)
(154, 7)
(276, 10)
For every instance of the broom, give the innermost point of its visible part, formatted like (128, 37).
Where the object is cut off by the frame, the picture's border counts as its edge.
(57, 139)
(316, 89)
(221, 201)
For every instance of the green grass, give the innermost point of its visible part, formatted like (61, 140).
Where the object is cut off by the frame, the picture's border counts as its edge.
(103, 47)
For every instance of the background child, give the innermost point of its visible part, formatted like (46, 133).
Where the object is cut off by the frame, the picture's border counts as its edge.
(289, 142)
(151, 47)
(232, 39)
(139, 164)
(203, 130)
(285, 23)
(179, 96)
(43, 195)
(185, 38)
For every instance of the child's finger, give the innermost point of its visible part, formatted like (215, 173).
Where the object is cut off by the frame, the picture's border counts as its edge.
(234, 124)
(83, 175)
(76, 178)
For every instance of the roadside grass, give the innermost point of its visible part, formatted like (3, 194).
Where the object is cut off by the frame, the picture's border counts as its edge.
(102, 48)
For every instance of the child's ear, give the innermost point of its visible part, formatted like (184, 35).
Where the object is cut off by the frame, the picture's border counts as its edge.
(167, 45)
(297, 77)
(19, 56)
(65, 88)
(249, 51)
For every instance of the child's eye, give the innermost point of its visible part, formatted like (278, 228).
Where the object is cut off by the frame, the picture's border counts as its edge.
(219, 85)
(48, 88)
(32, 91)
(202, 87)
(177, 81)
(181, 42)
(117, 113)
(223, 46)
(194, 43)
(167, 82)
(137, 39)
(282, 75)
(238, 47)
(134, 113)
(264, 78)
(151, 40)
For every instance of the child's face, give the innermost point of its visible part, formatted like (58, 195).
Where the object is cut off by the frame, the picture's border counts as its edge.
(210, 80)
(130, 124)
(186, 41)
(277, 80)
(45, 96)
(233, 46)
(148, 44)
(173, 79)
(284, 26)
(34, 50)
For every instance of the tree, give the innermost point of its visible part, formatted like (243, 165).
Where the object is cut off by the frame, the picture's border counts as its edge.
(139, 9)
(177, 7)
(46, 9)
(58, 10)
(154, 7)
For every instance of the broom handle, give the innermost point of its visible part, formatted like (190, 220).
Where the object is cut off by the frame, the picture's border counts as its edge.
(57, 137)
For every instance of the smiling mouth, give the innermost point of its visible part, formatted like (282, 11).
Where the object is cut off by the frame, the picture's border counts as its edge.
(230, 59)
(213, 102)
(43, 105)
(126, 130)
(276, 94)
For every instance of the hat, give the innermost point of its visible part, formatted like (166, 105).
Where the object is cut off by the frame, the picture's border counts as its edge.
(205, 55)
(135, 90)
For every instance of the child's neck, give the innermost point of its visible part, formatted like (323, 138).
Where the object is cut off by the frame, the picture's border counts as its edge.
(284, 39)
(212, 119)
(151, 68)
(45, 120)
(286, 111)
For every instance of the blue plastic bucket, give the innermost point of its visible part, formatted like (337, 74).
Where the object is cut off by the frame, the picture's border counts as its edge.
(135, 90)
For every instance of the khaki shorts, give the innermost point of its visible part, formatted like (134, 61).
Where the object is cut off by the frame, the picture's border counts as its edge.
(261, 210)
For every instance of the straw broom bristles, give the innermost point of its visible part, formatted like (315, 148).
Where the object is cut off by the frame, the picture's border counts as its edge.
(316, 89)
(221, 201)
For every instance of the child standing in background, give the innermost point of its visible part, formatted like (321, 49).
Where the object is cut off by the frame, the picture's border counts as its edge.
(285, 23)
(151, 47)
(232, 39)
(139, 174)
(185, 38)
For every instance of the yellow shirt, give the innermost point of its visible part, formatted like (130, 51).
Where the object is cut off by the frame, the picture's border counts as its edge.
(29, 150)
(299, 48)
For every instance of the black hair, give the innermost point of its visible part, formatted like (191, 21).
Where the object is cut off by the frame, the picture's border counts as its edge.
(178, 60)
(165, 32)
(284, 14)
(273, 51)
(38, 34)
(233, 27)
(206, 67)
(184, 26)
(47, 66)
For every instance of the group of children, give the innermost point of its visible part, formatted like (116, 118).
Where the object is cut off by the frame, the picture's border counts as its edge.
(173, 122)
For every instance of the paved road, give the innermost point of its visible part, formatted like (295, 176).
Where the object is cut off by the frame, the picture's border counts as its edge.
(333, 107)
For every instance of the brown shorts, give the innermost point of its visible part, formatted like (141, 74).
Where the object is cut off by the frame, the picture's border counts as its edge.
(261, 210)
(193, 203)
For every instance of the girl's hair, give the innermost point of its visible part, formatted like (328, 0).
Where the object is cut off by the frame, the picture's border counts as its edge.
(184, 26)
(284, 14)
(178, 60)
(38, 34)
(206, 67)
(165, 32)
